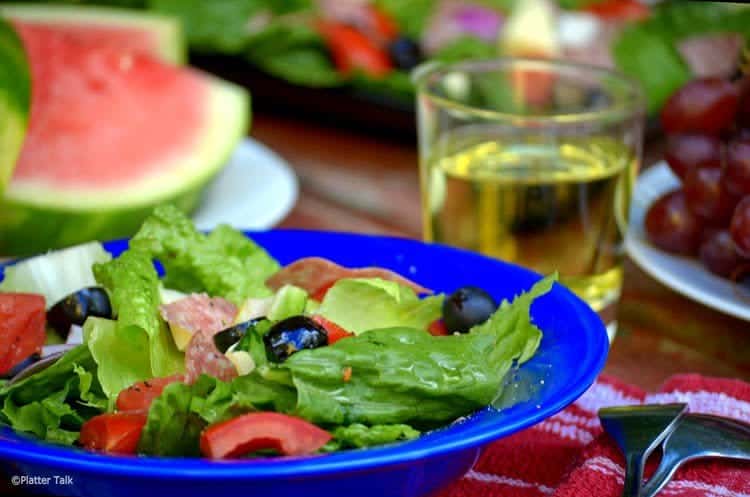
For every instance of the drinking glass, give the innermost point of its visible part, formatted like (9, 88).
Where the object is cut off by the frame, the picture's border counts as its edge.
(532, 161)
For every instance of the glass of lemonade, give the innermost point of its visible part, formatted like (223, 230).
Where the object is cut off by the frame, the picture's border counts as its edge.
(533, 162)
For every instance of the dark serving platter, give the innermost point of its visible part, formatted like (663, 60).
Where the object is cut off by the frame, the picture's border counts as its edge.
(342, 107)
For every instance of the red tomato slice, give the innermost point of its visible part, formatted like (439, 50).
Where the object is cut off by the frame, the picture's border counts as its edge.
(320, 294)
(619, 10)
(437, 328)
(352, 50)
(335, 332)
(288, 435)
(383, 26)
(113, 433)
(22, 334)
(139, 396)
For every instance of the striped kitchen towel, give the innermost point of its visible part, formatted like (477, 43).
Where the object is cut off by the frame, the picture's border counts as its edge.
(569, 456)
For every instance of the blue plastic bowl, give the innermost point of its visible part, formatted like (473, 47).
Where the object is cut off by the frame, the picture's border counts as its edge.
(572, 353)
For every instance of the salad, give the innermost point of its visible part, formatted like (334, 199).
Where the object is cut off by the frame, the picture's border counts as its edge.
(229, 355)
(371, 45)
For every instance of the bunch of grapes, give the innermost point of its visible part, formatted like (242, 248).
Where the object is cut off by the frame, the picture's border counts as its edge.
(708, 147)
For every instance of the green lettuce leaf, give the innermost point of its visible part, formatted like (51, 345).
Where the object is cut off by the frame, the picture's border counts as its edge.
(172, 429)
(357, 436)
(223, 26)
(224, 263)
(54, 403)
(122, 354)
(466, 47)
(51, 379)
(362, 304)
(141, 340)
(510, 327)
(411, 16)
(405, 375)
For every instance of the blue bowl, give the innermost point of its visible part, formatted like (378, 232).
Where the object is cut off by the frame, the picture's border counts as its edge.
(572, 353)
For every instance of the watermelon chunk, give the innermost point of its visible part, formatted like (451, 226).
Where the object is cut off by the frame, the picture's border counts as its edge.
(112, 133)
(158, 35)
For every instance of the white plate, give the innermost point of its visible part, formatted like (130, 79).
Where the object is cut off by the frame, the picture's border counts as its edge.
(255, 190)
(683, 274)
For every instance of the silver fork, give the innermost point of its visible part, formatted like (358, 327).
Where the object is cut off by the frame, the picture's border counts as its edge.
(638, 430)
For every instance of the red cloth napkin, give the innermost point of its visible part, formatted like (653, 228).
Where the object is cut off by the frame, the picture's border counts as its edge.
(568, 455)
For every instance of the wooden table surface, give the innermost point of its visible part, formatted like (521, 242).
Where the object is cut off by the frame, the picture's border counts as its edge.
(352, 181)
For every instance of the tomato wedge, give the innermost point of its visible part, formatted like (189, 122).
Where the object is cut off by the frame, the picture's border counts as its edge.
(335, 332)
(619, 10)
(288, 435)
(381, 26)
(139, 396)
(113, 433)
(320, 294)
(352, 50)
(437, 328)
(22, 333)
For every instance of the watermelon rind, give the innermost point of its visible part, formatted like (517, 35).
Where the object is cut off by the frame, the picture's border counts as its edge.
(15, 98)
(170, 46)
(35, 218)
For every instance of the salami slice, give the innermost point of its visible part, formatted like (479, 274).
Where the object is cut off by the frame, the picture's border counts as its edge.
(203, 316)
(199, 312)
(202, 357)
(316, 275)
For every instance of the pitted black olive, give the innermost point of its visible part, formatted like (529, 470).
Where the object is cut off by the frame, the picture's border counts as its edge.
(467, 307)
(76, 307)
(228, 337)
(291, 335)
(405, 53)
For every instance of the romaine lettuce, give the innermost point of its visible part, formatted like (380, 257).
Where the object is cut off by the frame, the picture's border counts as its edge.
(53, 403)
(358, 436)
(141, 337)
(406, 375)
(224, 263)
(362, 304)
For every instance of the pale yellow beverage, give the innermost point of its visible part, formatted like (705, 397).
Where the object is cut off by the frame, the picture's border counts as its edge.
(559, 207)
(532, 161)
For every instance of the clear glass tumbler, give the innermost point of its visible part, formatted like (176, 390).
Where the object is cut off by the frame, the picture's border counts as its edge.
(533, 162)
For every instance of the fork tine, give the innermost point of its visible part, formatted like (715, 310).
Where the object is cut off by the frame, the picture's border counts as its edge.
(638, 430)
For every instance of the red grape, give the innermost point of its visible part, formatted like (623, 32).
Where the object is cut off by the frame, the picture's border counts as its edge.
(703, 105)
(743, 108)
(671, 226)
(706, 196)
(737, 176)
(719, 254)
(686, 151)
(740, 227)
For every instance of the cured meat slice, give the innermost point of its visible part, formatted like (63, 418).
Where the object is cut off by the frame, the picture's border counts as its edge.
(198, 312)
(203, 317)
(316, 275)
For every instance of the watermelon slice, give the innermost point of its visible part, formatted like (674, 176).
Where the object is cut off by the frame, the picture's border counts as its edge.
(112, 133)
(158, 35)
(15, 87)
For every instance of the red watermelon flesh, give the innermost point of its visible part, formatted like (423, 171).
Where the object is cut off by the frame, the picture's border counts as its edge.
(98, 113)
(122, 38)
